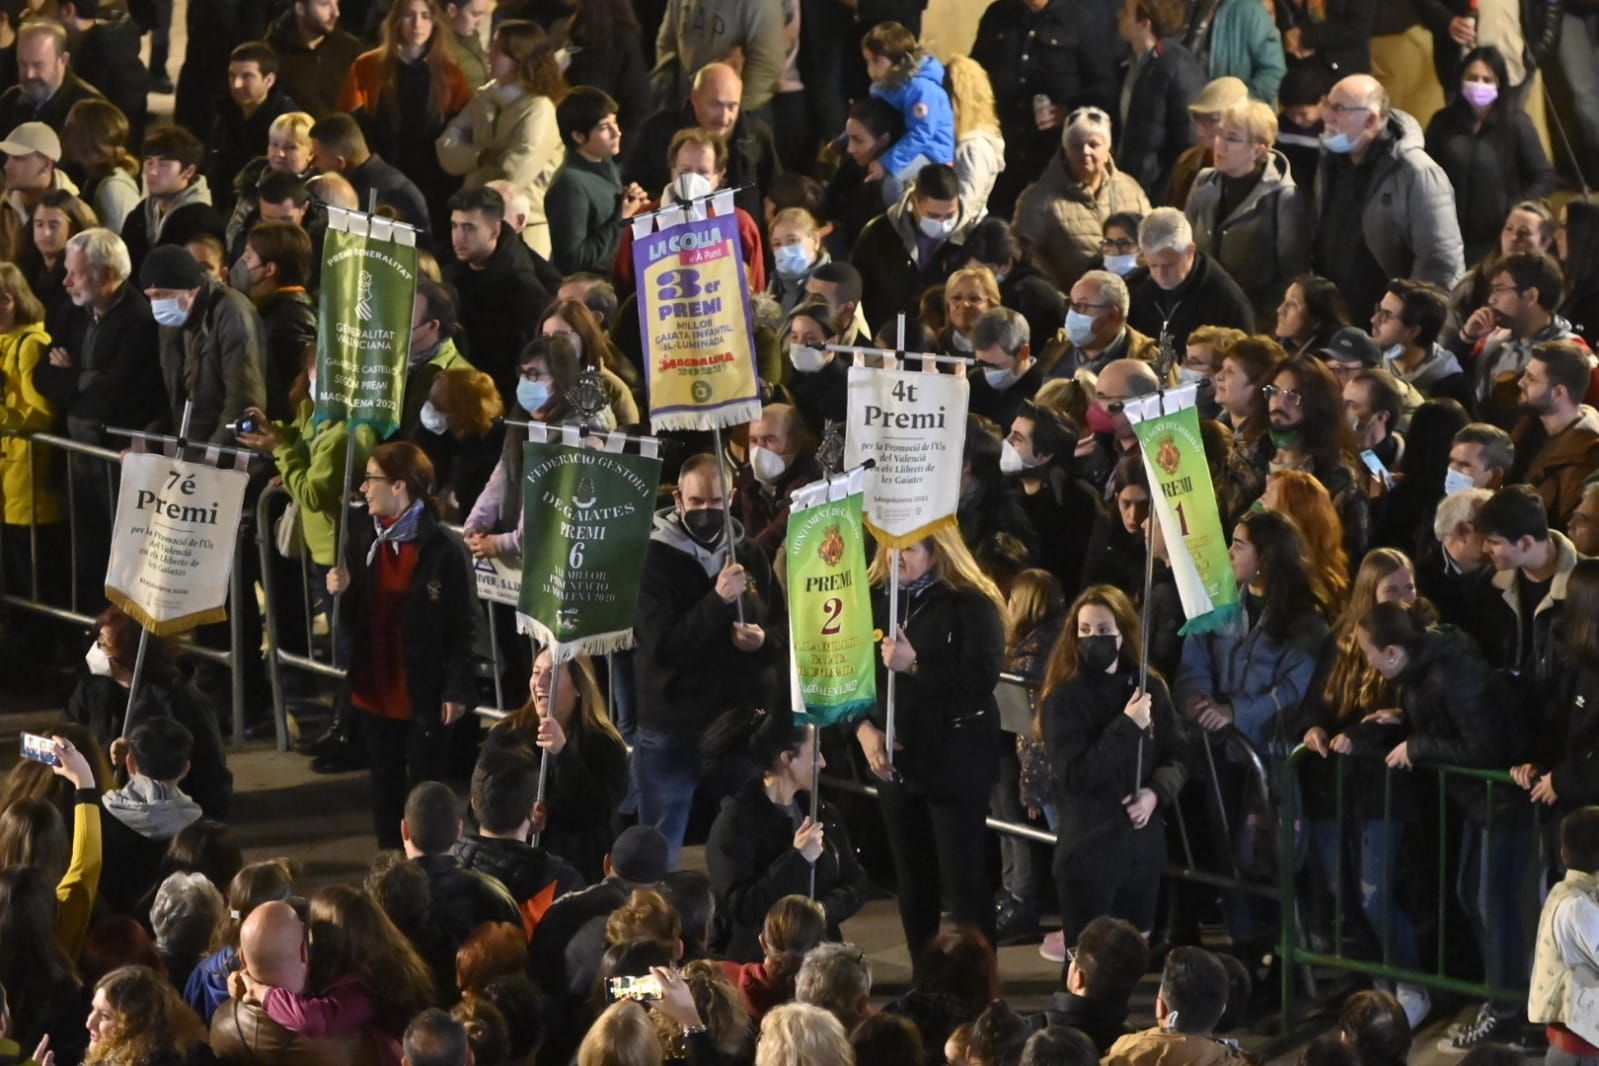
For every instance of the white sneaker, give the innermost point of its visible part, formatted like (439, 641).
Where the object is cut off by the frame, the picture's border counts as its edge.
(1416, 1002)
(1054, 947)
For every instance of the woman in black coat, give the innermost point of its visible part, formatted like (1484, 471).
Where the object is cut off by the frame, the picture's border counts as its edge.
(1117, 550)
(588, 763)
(1565, 767)
(1115, 764)
(602, 39)
(410, 619)
(946, 648)
(1487, 146)
(764, 843)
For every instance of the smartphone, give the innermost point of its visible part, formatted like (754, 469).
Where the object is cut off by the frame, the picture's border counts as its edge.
(644, 988)
(1378, 470)
(40, 749)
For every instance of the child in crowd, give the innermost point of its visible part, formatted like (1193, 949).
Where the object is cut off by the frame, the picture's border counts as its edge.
(913, 83)
(1566, 954)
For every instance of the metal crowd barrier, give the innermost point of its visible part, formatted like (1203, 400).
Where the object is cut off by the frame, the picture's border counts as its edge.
(1296, 953)
(81, 607)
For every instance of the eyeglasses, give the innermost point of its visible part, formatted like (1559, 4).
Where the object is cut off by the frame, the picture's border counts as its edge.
(1114, 407)
(1121, 247)
(1382, 314)
(374, 477)
(1504, 288)
(1088, 309)
(1350, 109)
(968, 301)
(1291, 397)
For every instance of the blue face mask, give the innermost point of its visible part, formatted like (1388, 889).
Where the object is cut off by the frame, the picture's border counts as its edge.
(792, 260)
(532, 395)
(1455, 481)
(1339, 143)
(1079, 329)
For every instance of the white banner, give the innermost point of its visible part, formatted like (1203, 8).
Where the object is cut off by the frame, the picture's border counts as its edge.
(172, 543)
(913, 424)
(497, 580)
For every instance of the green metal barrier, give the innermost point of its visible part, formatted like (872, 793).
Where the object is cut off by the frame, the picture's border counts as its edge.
(1294, 954)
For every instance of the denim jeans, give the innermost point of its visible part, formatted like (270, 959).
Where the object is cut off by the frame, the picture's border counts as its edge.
(624, 713)
(1492, 866)
(1373, 866)
(666, 770)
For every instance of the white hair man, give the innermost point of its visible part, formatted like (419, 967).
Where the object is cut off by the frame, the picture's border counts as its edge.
(1185, 288)
(1097, 333)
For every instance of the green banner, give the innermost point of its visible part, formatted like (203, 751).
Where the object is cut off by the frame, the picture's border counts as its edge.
(586, 521)
(830, 610)
(1167, 425)
(364, 322)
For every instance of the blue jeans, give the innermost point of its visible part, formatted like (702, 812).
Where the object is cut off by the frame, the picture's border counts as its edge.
(666, 770)
(1492, 867)
(1373, 866)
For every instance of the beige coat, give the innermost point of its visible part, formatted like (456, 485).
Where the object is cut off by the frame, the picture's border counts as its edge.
(1063, 220)
(1155, 1047)
(515, 140)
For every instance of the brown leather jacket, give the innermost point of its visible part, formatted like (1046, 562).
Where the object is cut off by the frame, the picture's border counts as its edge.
(242, 1035)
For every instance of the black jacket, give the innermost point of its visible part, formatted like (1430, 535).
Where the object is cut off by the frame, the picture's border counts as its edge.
(214, 359)
(501, 308)
(289, 320)
(1572, 737)
(946, 715)
(1094, 753)
(462, 899)
(221, 25)
(587, 782)
(236, 140)
(1491, 169)
(1158, 127)
(687, 669)
(1028, 292)
(1115, 556)
(616, 67)
(1540, 30)
(751, 859)
(394, 190)
(1057, 522)
(100, 704)
(313, 76)
(107, 57)
(115, 376)
(16, 108)
(1340, 34)
(523, 869)
(892, 279)
(1208, 296)
(565, 957)
(441, 619)
(1101, 1023)
(1000, 405)
(752, 160)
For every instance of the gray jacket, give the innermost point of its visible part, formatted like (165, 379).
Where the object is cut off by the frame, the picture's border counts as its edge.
(1264, 243)
(1409, 221)
(214, 359)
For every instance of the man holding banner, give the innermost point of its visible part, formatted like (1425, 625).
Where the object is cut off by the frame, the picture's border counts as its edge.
(696, 659)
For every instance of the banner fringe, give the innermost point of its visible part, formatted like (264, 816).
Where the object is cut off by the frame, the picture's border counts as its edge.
(170, 627)
(736, 413)
(911, 539)
(565, 651)
(1213, 621)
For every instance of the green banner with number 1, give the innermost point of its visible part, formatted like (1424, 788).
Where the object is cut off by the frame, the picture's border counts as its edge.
(830, 610)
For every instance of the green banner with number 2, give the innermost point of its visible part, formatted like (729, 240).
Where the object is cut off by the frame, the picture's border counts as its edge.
(586, 522)
(830, 611)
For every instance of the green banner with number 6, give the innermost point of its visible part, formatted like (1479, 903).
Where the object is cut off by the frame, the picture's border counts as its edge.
(586, 518)
(830, 611)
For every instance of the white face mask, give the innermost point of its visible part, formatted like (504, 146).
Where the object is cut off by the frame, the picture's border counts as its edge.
(767, 466)
(1187, 375)
(691, 186)
(936, 228)
(169, 311)
(806, 360)
(1455, 481)
(1122, 265)
(433, 419)
(1394, 352)
(999, 377)
(99, 662)
(1080, 329)
(1011, 461)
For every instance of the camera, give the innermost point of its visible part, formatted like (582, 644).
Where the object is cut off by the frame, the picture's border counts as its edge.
(244, 425)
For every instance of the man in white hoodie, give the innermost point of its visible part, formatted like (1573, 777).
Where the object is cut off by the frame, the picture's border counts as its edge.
(148, 811)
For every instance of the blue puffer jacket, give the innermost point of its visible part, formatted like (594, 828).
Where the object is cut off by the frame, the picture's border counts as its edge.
(929, 121)
(207, 989)
(1264, 680)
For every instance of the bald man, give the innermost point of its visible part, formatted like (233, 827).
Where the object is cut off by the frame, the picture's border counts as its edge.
(717, 105)
(781, 460)
(273, 954)
(1120, 381)
(334, 189)
(1384, 208)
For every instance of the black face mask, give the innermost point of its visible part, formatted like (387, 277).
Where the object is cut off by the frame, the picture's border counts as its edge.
(1097, 653)
(705, 526)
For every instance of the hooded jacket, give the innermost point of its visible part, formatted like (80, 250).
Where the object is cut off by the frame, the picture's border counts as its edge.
(687, 668)
(142, 229)
(979, 159)
(929, 135)
(500, 307)
(215, 359)
(1438, 366)
(1065, 220)
(886, 255)
(27, 486)
(1263, 243)
(141, 818)
(1408, 219)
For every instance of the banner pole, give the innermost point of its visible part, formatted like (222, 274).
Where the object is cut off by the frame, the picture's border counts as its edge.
(1143, 628)
(344, 529)
(727, 510)
(816, 788)
(893, 633)
(494, 654)
(549, 709)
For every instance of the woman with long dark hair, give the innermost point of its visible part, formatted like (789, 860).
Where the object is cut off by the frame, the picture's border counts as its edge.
(588, 761)
(1312, 310)
(33, 833)
(946, 647)
(1488, 147)
(1577, 242)
(1564, 772)
(602, 39)
(404, 92)
(764, 843)
(410, 617)
(1112, 751)
(620, 379)
(40, 982)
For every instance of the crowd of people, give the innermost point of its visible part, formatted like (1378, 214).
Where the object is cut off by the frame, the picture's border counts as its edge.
(1386, 319)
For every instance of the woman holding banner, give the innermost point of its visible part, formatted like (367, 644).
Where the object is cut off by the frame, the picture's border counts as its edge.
(409, 609)
(946, 649)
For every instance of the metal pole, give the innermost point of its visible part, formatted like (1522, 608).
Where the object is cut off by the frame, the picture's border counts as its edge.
(816, 791)
(344, 529)
(1143, 634)
(237, 652)
(549, 709)
(727, 511)
(274, 648)
(138, 672)
(72, 532)
(494, 654)
(893, 634)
